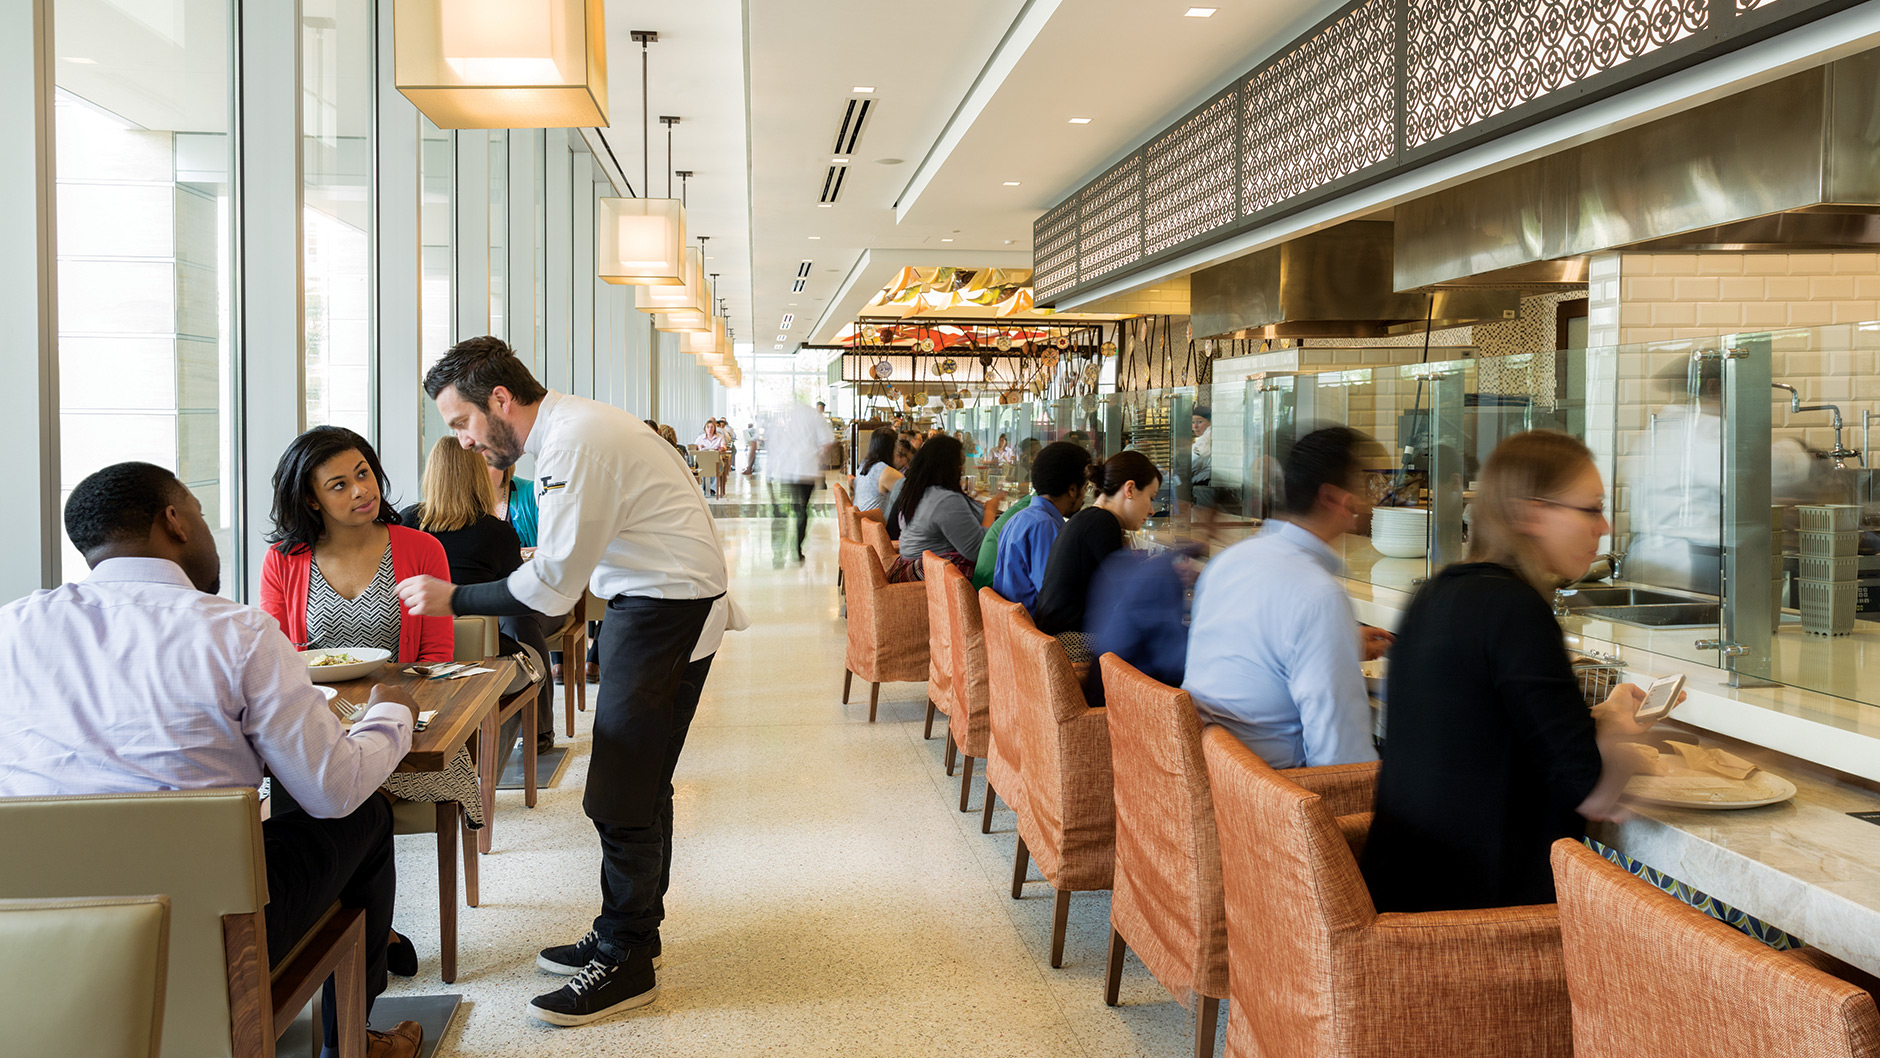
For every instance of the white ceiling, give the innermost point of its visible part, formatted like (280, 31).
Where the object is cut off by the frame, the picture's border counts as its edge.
(967, 95)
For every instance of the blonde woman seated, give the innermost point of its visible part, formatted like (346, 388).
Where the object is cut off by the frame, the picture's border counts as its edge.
(481, 548)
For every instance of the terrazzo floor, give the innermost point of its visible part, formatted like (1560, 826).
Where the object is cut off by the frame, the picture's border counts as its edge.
(827, 896)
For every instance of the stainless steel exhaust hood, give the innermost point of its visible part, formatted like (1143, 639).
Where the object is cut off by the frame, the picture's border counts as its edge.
(1788, 166)
(1334, 283)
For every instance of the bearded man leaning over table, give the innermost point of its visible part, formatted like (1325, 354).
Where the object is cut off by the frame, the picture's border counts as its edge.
(140, 678)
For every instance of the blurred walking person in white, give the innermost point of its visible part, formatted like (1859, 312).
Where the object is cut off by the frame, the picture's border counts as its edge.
(796, 450)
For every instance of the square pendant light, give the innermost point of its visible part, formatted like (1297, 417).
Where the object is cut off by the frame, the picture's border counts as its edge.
(681, 322)
(694, 297)
(641, 242)
(503, 64)
(702, 343)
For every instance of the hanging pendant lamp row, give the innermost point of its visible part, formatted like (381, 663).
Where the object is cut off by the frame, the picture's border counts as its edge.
(641, 241)
(502, 64)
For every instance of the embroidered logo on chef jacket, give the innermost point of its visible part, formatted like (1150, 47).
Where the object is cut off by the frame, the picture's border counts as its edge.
(546, 484)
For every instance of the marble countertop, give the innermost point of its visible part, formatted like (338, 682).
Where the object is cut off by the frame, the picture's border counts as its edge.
(1804, 866)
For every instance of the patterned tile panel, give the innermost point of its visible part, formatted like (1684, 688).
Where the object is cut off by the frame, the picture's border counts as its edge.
(1190, 173)
(1110, 220)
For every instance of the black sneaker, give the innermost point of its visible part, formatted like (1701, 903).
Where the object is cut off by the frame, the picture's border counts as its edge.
(602, 989)
(568, 959)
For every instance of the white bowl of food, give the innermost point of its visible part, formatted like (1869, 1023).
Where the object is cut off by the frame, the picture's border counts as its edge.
(340, 664)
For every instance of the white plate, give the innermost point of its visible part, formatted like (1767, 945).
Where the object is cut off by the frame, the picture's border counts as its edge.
(1401, 548)
(369, 659)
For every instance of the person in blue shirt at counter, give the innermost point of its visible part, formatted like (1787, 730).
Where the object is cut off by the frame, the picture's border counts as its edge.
(1274, 651)
(1023, 544)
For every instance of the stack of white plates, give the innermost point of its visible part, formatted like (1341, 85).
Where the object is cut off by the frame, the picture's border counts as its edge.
(1401, 532)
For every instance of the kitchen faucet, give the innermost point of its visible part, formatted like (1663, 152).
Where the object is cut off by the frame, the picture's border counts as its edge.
(1795, 396)
(1841, 453)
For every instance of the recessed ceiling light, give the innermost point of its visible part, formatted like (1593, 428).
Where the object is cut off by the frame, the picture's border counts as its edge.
(1011, 183)
(1080, 121)
(863, 89)
(946, 240)
(825, 205)
(1200, 12)
(840, 161)
(815, 237)
(81, 60)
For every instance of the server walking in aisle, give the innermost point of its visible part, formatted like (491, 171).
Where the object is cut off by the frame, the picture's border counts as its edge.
(618, 512)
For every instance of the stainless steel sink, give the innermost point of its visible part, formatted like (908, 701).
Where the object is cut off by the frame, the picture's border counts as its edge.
(1585, 598)
(1681, 614)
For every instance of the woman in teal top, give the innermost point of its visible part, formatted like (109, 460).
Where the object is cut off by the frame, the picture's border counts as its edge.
(515, 503)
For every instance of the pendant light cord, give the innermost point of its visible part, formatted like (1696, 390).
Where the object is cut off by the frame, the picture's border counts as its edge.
(646, 120)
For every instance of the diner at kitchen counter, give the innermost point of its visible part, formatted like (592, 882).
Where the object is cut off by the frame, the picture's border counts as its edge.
(1021, 542)
(1492, 754)
(935, 514)
(141, 678)
(1126, 484)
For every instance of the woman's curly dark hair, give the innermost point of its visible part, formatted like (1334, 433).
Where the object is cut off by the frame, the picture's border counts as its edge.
(298, 523)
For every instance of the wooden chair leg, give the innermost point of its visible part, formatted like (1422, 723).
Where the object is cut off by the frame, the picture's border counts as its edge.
(446, 887)
(349, 992)
(874, 699)
(951, 753)
(1060, 921)
(530, 731)
(985, 816)
(1113, 973)
(966, 781)
(1207, 1013)
(931, 710)
(580, 691)
(848, 678)
(1019, 864)
(471, 896)
(487, 737)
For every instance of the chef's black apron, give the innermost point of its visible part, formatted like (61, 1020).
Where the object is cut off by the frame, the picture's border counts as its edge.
(645, 645)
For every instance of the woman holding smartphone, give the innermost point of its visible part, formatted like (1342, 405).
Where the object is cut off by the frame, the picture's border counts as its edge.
(1492, 754)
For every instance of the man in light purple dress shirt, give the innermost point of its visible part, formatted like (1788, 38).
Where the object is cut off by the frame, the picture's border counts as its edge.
(140, 678)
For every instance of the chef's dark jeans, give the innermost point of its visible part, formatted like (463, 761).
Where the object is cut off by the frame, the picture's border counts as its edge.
(313, 862)
(648, 694)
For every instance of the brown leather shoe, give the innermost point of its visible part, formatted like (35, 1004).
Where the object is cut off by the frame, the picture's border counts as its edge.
(402, 1042)
(593, 672)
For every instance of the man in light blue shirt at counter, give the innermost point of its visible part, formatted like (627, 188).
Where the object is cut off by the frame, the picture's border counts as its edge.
(1058, 477)
(1274, 652)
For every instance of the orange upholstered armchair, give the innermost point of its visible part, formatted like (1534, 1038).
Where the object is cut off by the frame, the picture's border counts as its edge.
(939, 647)
(887, 626)
(1166, 902)
(1004, 747)
(875, 535)
(968, 726)
(1652, 975)
(1315, 970)
(1071, 828)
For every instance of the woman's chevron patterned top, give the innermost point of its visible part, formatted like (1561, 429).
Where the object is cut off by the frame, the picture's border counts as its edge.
(335, 622)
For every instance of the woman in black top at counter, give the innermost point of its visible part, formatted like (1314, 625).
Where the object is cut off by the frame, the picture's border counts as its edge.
(1126, 484)
(1492, 754)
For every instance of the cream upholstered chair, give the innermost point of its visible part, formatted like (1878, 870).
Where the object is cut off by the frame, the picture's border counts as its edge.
(202, 849)
(968, 726)
(1071, 828)
(84, 977)
(1166, 902)
(1005, 775)
(887, 639)
(1649, 974)
(1314, 969)
(939, 648)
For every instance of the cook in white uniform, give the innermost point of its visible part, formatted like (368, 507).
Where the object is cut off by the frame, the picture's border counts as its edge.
(618, 514)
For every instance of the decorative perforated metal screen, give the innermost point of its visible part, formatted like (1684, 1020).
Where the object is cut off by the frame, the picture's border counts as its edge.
(1324, 110)
(1379, 87)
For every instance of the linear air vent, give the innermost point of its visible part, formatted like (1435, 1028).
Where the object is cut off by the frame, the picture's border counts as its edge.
(798, 286)
(832, 183)
(854, 116)
(803, 269)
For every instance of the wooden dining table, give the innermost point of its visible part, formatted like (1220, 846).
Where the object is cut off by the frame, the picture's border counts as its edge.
(464, 708)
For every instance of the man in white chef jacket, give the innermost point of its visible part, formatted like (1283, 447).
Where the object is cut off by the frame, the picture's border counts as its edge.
(618, 513)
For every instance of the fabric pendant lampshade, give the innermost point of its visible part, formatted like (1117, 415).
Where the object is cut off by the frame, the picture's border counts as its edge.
(700, 343)
(680, 322)
(641, 242)
(694, 297)
(502, 64)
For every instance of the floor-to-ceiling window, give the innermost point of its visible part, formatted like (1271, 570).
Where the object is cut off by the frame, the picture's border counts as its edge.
(499, 233)
(336, 214)
(437, 231)
(142, 112)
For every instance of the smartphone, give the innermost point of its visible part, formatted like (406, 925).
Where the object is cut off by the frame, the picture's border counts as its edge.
(1660, 697)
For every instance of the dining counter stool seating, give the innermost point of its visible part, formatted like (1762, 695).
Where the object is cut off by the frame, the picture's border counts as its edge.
(887, 635)
(939, 649)
(84, 977)
(1315, 970)
(1071, 828)
(223, 994)
(1005, 755)
(846, 529)
(1166, 903)
(1650, 974)
(968, 727)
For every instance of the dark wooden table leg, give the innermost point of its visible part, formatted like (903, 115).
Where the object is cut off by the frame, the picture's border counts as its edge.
(447, 887)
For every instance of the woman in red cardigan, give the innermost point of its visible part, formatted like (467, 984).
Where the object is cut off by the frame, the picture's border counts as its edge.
(330, 578)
